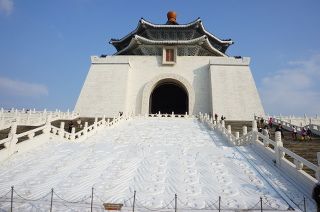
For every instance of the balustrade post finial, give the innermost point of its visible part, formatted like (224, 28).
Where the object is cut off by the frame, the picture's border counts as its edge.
(254, 125)
(244, 130)
(73, 131)
(229, 128)
(237, 134)
(278, 153)
(61, 130)
(104, 120)
(85, 129)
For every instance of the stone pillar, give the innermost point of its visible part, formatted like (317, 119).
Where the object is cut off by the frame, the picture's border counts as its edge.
(11, 145)
(229, 128)
(73, 131)
(61, 130)
(95, 123)
(104, 120)
(254, 126)
(85, 129)
(28, 117)
(47, 128)
(237, 135)
(244, 130)
(278, 153)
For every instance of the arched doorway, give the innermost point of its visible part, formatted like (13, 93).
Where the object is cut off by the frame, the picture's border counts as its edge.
(168, 97)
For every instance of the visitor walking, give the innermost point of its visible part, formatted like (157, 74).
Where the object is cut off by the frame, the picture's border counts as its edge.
(294, 133)
(70, 126)
(303, 134)
(309, 133)
(270, 123)
(280, 129)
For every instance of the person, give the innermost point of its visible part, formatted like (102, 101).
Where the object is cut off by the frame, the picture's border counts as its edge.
(70, 126)
(303, 133)
(216, 117)
(261, 122)
(309, 133)
(294, 133)
(280, 129)
(316, 195)
(270, 123)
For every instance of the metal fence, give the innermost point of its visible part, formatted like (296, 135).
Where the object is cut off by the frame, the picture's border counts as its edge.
(52, 201)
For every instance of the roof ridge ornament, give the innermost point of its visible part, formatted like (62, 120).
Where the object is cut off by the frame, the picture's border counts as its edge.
(172, 18)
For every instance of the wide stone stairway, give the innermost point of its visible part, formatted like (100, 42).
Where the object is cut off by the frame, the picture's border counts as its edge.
(156, 157)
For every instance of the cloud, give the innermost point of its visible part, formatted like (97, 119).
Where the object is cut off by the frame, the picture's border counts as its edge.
(20, 88)
(6, 6)
(294, 90)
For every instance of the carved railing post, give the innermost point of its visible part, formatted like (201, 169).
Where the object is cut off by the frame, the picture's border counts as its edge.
(254, 126)
(61, 130)
(229, 128)
(104, 120)
(11, 145)
(73, 131)
(278, 153)
(95, 124)
(47, 128)
(244, 130)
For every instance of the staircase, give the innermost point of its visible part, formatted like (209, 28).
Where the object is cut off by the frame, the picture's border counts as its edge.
(157, 158)
(307, 149)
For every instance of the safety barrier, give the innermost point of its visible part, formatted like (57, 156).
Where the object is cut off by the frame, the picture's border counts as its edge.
(12, 200)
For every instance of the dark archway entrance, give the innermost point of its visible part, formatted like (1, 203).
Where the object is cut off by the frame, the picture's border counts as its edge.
(168, 97)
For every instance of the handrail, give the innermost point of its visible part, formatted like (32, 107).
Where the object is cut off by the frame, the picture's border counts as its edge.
(276, 154)
(299, 158)
(289, 126)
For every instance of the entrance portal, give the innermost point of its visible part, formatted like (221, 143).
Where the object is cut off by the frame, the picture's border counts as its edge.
(168, 97)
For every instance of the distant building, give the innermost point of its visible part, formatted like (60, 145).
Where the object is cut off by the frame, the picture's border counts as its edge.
(170, 68)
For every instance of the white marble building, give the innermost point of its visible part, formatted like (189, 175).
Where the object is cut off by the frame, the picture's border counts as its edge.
(170, 68)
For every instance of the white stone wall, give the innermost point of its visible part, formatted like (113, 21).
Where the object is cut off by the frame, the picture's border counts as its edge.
(234, 93)
(105, 89)
(116, 83)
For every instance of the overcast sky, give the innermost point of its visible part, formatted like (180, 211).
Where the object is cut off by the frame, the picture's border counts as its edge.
(45, 45)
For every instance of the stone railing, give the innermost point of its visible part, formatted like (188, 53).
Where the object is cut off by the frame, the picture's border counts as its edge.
(30, 139)
(171, 115)
(272, 152)
(31, 117)
(298, 121)
(289, 126)
(87, 130)
(23, 141)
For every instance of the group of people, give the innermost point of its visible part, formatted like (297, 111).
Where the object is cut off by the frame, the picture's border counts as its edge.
(305, 134)
(216, 117)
